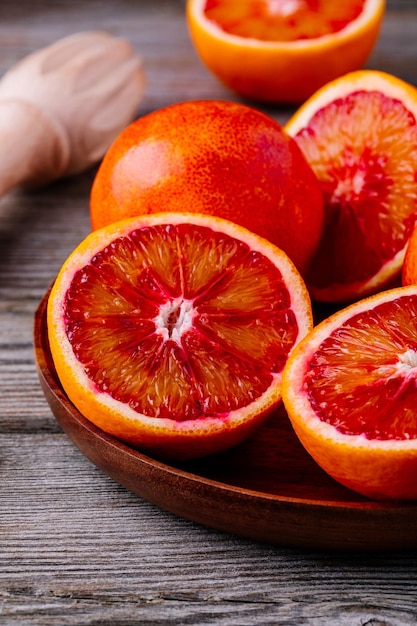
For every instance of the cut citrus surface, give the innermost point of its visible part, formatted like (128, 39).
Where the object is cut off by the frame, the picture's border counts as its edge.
(409, 271)
(283, 50)
(171, 331)
(214, 157)
(350, 390)
(359, 134)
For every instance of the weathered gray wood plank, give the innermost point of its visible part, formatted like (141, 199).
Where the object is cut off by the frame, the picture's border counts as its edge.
(76, 548)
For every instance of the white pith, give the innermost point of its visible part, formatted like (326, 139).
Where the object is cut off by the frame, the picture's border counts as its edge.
(350, 187)
(407, 362)
(284, 7)
(184, 312)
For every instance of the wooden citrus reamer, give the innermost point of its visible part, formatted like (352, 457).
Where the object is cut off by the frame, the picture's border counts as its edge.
(62, 106)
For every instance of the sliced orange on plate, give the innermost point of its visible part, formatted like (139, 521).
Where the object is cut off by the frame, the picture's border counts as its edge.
(350, 390)
(359, 134)
(283, 50)
(170, 331)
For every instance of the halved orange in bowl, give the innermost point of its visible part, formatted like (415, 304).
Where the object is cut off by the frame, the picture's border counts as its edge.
(170, 331)
(350, 390)
(283, 50)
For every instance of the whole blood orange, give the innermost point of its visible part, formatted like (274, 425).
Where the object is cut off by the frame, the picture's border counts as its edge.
(283, 50)
(350, 390)
(171, 331)
(359, 134)
(219, 158)
(409, 271)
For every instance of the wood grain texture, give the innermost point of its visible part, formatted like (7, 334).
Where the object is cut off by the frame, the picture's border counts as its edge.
(76, 548)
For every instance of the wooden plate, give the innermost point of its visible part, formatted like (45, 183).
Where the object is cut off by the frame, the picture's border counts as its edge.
(267, 489)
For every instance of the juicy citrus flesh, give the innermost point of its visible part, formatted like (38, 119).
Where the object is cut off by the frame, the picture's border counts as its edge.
(369, 187)
(373, 358)
(350, 389)
(283, 20)
(189, 345)
(283, 51)
(182, 328)
(409, 270)
(218, 158)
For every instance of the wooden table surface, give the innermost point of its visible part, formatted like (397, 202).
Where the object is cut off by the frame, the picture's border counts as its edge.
(76, 548)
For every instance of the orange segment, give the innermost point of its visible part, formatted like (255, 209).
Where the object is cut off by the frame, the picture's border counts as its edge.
(171, 331)
(283, 50)
(349, 133)
(350, 390)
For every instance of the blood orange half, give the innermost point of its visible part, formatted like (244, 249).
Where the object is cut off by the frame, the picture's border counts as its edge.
(359, 134)
(170, 331)
(350, 390)
(283, 50)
